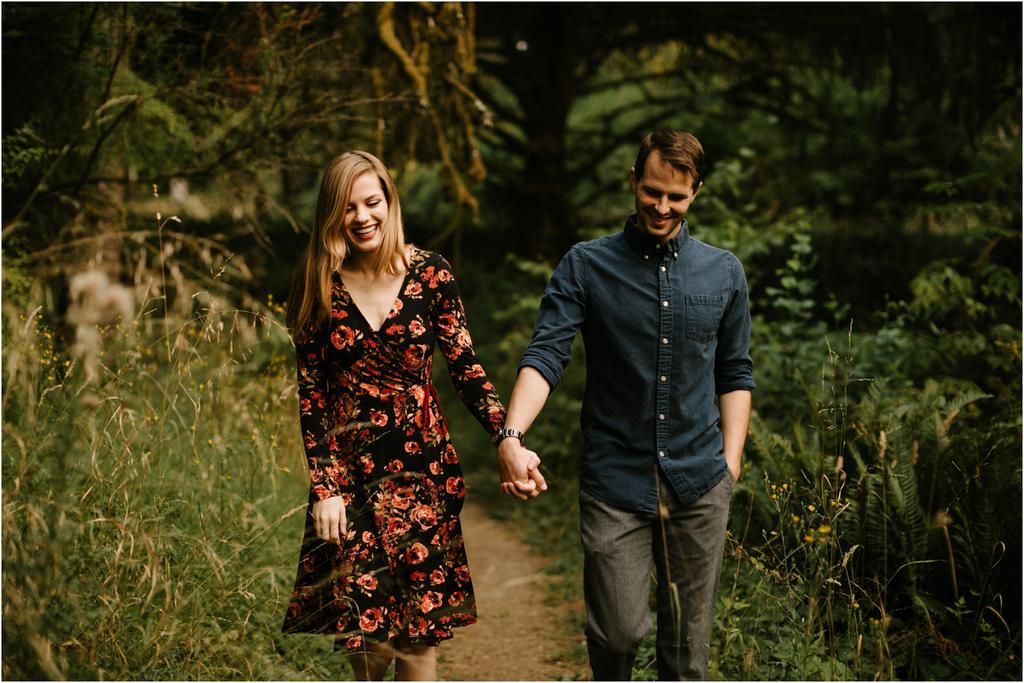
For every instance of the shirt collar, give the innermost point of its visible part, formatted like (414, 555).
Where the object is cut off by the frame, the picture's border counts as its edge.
(645, 245)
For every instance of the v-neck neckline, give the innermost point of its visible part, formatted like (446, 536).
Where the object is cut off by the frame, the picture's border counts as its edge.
(391, 311)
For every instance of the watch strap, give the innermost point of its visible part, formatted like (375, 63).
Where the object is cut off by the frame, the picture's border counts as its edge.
(506, 432)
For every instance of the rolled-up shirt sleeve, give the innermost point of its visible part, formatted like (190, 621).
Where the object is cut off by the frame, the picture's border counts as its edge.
(562, 311)
(733, 366)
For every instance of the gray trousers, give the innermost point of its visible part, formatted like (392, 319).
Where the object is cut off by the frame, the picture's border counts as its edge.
(685, 544)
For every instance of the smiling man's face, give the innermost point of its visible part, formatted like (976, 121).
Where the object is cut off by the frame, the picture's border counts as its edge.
(663, 196)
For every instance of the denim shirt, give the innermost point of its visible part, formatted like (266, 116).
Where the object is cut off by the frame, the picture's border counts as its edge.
(666, 328)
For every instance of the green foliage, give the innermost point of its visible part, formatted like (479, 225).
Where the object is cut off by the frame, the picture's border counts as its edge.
(901, 433)
(22, 155)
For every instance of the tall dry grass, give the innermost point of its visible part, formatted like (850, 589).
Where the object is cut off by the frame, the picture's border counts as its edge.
(152, 475)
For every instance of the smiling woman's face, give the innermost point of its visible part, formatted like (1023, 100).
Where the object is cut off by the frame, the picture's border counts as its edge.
(366, 214)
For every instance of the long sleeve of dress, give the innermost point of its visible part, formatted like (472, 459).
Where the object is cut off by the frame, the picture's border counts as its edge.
(468, 376)
(328, 474)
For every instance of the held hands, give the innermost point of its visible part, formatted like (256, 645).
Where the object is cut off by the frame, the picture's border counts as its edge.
(329, 519)
(519, 470)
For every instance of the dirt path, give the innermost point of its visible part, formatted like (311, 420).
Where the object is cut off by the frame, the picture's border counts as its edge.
(523, 628)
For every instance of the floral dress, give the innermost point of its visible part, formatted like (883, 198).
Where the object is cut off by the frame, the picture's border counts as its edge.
(374, 435)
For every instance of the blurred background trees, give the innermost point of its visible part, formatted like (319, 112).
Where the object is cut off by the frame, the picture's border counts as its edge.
(864, 163)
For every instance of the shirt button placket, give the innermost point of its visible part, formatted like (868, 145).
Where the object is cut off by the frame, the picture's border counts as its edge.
(664, 362)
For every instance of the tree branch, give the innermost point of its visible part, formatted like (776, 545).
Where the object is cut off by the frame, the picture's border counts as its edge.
(586, 166)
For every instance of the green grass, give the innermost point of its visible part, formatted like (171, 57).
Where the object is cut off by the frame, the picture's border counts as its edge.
(152, 518)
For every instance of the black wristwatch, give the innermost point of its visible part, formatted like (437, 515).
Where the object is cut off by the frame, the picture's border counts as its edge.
(505, 433)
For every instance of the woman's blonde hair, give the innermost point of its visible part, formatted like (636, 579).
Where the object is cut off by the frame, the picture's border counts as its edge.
(309, 303)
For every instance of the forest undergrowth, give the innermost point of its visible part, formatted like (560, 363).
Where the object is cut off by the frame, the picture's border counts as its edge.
(153, 482)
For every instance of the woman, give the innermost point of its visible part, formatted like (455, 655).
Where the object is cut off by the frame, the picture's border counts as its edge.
(382, 563)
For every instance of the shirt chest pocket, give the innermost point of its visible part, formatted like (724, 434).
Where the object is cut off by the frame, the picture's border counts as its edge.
(703, 313)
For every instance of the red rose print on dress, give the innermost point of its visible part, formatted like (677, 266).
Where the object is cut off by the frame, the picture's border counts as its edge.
(343, 337)
(447, 323)
(456, 486)
(418, 626)
(425, 516)
(370, 621)
(368, 582)
(431, 600)
(429, 277)
(396, 310)
(371, 390)
(404, 497)
(416, 553)
(416, 328)
(414, 356)
(398, 526)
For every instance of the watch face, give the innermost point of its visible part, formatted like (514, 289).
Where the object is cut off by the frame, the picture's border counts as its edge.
(505, 433)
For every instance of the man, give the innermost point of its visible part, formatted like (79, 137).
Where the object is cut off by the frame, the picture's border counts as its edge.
(666, 327)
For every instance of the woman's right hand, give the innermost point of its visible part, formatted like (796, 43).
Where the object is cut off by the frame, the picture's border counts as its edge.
(329, 519)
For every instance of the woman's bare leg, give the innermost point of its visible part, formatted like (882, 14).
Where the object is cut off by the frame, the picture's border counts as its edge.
(373, 663)
(415, 662)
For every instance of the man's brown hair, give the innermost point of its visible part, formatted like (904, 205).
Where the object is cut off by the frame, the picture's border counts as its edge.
(680, 149)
